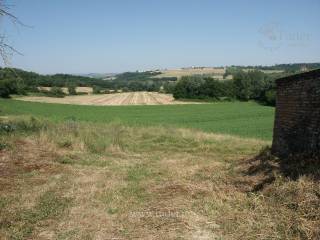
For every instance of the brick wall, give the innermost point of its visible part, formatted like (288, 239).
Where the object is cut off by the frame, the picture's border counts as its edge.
(297, 121)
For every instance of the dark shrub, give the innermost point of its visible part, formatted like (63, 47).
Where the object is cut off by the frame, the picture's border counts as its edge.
(7, 127)
(72, 89)
(270, 97)
(8, 87)
(55, 92)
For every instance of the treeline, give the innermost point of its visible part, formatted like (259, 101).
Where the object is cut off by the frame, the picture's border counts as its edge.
(286, 68)
(245, 86)
(139, 81)
(17, 81)
(56, 80)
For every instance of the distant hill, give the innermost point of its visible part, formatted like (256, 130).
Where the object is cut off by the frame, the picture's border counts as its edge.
(216, 72)
(222, 72)
(98, 75)
(143, 80)
(287, 68)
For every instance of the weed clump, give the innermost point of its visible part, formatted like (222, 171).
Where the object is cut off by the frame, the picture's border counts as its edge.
(7, 128)
(22, 125)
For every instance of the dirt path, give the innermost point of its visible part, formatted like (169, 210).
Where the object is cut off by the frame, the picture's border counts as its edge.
(116, 99)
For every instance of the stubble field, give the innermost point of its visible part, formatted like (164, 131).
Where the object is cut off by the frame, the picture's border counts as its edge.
(115, 99)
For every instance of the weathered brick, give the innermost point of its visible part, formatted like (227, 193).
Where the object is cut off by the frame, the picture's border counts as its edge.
(297, 120)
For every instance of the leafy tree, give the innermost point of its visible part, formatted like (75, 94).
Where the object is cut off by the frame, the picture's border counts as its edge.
(257, 84)
(188, 87)
(125, 89)
(5, 49)
(252, 85)
(213, 89)
(168, 87)
(56, 92)
(8, 87)
(72, 89)
(96, 90)
(242, 86)
(270, 97)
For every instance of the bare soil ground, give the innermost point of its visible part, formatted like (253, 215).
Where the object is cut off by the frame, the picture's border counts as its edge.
(129, 98)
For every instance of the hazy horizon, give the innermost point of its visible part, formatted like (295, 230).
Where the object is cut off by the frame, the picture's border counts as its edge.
(79, 37)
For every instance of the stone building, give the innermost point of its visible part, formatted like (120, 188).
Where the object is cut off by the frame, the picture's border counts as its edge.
(297, 119)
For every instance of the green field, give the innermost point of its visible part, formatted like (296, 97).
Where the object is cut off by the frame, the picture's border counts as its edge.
(248, 120)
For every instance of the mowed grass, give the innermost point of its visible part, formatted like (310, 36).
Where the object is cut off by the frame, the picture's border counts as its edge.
(75, 180)
(244, 119)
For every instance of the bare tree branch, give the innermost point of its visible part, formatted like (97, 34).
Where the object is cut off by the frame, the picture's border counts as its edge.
(6, 50)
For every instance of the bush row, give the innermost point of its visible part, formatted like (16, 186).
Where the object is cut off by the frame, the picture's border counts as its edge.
(245, 86)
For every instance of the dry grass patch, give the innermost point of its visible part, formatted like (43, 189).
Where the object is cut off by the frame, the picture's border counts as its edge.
(96, 181)
(32, 188)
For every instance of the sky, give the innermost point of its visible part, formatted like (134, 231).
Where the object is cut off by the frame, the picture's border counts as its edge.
(110, 36)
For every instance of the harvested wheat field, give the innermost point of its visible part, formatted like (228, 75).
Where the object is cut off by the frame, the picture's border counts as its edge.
(115, 99)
